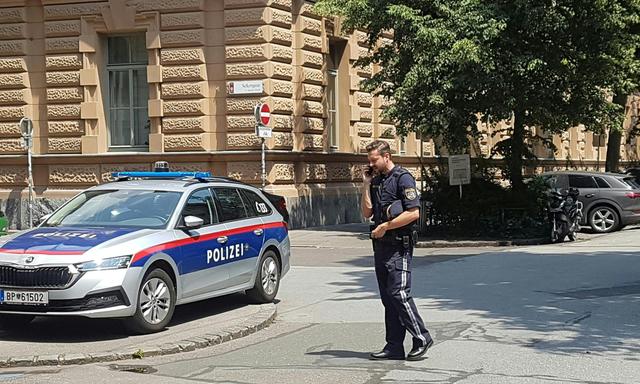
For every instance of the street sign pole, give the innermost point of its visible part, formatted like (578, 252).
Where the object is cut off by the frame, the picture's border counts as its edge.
(263, 116)
(264, 166)
(26, 126)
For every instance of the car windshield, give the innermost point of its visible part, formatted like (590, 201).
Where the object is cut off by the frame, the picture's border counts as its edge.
(123, 208)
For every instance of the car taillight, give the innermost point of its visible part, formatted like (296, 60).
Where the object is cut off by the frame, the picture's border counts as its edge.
(633, 195)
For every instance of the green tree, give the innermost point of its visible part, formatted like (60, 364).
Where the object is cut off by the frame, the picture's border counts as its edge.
(552, 64)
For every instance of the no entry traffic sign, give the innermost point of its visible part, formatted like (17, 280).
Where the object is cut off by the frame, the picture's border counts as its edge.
(265, 114)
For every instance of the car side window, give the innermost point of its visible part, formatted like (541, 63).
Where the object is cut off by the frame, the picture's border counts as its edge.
(255, 205)
(582, 181)
(602, 183)
(230, 203)
(200, 204)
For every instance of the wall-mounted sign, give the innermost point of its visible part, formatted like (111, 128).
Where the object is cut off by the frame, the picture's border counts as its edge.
(245, 87)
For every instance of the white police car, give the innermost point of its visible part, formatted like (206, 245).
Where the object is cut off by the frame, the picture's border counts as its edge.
(137, 247)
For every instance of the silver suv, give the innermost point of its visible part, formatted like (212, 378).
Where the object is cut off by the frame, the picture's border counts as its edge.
(137, 247)
(610, 200)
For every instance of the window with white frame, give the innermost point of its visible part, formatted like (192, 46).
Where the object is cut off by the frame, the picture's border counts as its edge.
(336, 48)
(128, 92)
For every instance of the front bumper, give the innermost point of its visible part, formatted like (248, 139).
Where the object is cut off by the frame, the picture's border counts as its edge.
(96, 294)
(285, 255)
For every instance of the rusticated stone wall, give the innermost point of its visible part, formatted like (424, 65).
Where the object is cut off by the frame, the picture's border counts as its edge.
(258, 46)
(311, 48)
(53, 66)
(15, 84)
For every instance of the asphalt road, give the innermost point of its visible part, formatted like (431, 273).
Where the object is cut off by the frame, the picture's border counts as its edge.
(564, 313)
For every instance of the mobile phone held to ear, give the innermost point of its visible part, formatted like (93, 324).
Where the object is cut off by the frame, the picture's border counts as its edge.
(368, 171)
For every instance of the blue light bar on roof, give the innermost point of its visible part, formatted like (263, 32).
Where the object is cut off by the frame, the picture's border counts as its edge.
(161, 175)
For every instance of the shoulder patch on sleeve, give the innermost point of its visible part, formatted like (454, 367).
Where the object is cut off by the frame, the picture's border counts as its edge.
(410, 193)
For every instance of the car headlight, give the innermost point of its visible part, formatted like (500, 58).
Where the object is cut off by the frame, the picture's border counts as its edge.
(102, 264)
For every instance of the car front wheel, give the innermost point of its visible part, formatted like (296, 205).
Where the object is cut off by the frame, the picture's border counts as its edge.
(604, 219)
(156, 303)
(267, 279)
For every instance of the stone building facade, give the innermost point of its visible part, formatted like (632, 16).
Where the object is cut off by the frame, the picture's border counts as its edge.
(119, 84)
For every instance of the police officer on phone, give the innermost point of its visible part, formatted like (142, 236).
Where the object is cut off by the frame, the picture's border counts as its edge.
(389, 195)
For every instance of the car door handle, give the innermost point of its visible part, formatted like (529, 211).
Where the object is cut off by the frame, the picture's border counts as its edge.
(258, 232)
(222, 239)
(589, 195)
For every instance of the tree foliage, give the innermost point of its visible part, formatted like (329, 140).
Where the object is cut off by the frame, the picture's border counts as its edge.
(547, 63)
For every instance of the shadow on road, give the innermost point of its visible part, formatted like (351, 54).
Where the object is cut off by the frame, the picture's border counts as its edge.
(580, 302)
(340, 353)
(79, 329)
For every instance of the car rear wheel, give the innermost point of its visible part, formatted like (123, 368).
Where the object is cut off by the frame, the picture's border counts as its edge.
(267, 279)
(156, 303)
(9, 321)
(604, 219)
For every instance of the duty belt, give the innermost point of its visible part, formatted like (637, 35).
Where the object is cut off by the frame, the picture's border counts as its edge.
(405, 238)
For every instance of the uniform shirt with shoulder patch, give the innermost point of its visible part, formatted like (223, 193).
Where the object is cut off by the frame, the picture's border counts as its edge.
(398, 184)
(408, 192)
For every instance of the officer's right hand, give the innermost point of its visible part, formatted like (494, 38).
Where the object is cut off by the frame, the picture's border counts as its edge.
(367, 174)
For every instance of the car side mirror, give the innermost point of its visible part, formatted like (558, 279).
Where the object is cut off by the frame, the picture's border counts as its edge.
(192, 222)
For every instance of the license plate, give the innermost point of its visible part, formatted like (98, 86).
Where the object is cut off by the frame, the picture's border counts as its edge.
(24, 297)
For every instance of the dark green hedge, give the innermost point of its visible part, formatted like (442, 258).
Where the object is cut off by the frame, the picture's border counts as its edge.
(486, 209)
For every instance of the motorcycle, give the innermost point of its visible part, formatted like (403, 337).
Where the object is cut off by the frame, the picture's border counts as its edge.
(565, 214)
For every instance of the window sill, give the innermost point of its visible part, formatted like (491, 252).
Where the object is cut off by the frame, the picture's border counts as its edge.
(128, 149)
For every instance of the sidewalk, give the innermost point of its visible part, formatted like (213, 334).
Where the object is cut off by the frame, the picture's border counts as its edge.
(357, 236)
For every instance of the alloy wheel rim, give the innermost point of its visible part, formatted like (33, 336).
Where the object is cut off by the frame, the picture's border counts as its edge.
(603, 219)
(269, 275)
(155, 301)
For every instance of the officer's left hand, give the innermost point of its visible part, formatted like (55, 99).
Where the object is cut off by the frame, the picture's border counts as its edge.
(379, 231)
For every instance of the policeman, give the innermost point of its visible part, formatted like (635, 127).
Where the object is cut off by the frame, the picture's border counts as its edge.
(389, 195)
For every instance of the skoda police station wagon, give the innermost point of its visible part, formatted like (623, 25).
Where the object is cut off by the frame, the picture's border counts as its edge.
(137, 247)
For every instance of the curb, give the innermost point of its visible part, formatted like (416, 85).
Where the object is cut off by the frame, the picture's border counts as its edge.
(265, 316)
(479, 243)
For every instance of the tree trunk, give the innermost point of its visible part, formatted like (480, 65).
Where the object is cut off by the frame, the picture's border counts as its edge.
(613, 150)
(615, 139)
(515, 161)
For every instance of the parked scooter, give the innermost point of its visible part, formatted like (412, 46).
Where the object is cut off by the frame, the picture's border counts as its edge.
(565, 214)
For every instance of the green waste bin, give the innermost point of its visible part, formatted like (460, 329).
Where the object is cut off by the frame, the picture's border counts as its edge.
(4, 224)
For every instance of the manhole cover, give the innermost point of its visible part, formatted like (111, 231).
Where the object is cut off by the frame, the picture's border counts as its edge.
(133, 368)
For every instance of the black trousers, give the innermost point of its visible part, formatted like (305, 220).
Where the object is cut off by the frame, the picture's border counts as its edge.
(393, 271)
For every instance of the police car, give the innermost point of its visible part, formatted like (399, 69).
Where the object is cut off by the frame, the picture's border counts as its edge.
(137, 247)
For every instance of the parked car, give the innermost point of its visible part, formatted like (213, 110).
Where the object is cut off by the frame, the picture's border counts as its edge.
(137, 247)
(610, 200)
(635, 172)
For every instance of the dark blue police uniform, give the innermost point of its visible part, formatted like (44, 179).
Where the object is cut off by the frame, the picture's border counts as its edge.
(391, 194)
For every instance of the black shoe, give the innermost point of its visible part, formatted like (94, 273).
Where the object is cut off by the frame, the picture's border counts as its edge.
(386, 355)
(417, 352)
